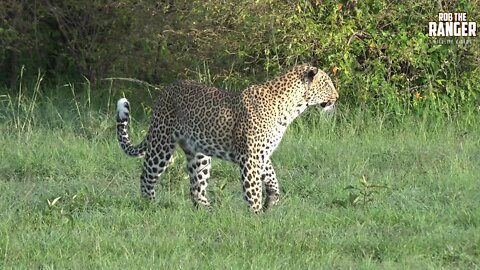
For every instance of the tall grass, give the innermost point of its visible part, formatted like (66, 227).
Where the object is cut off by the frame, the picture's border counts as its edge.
(70, 198)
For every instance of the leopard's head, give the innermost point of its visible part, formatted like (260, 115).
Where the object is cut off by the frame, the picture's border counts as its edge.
(319, 88)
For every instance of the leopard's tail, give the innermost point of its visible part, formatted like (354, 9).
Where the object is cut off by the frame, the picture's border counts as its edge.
(123, 108)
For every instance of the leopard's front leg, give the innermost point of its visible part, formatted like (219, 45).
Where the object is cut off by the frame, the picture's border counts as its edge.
(250, 169)
(270, 181)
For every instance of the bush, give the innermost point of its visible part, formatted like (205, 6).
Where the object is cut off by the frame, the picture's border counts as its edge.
(377, 51)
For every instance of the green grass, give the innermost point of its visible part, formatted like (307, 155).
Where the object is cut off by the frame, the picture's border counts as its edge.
(426, 218)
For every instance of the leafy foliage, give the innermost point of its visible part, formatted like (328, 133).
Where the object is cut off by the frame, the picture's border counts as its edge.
(360, 194)
(377, 50)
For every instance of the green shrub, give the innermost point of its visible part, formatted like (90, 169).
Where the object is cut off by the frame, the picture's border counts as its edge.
(377, 51)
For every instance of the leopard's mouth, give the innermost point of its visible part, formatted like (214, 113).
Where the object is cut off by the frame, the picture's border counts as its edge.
(327, 105)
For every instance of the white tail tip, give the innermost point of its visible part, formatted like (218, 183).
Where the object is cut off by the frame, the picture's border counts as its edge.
(123, 107)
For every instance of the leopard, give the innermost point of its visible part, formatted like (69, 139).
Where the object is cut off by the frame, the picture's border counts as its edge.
(244, 127)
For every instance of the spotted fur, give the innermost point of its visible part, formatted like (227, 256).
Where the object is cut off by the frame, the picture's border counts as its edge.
(241, 127)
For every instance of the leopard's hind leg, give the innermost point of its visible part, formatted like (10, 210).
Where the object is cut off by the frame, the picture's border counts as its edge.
(157, 158)
(198, 166)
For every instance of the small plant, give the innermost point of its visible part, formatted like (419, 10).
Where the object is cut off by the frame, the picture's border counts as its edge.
(219, 192)
(52, 203)
(360, 194)
(56, 211)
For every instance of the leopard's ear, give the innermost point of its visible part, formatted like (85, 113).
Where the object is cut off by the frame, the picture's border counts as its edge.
(311, 72)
